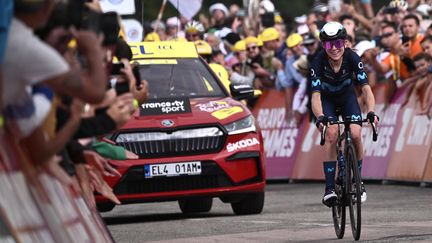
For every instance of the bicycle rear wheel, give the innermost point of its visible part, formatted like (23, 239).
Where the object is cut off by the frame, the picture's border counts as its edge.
(339, 213)
(353, 190)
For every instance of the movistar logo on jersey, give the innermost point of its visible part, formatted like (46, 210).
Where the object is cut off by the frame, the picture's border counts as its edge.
(316, 83)
(361, 76)
(330, 169)
(355, 118)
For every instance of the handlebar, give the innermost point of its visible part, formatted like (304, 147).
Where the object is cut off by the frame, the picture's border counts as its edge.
(346, 123)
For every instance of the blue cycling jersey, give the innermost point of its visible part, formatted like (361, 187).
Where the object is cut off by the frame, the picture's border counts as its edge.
(325, 80)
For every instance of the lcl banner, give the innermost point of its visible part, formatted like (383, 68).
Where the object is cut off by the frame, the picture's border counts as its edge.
(281, 138)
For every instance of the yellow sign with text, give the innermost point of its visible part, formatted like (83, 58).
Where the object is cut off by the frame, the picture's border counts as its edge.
(227, 112)
(163, 49)
(155, 61)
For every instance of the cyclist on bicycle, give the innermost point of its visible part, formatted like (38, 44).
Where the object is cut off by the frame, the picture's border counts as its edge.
(334, 71)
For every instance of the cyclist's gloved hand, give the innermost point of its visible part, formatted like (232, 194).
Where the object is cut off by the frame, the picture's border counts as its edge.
(321, 120)
(371, 116)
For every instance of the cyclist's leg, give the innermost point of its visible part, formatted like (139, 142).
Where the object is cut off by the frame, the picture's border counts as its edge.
(356, 136)
(329, 163)
(351, 109)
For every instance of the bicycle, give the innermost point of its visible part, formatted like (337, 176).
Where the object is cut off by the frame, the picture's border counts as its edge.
(348, 181)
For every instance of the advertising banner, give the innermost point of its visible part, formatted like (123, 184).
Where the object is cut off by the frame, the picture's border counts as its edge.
(428, 171)
(412, 144)
(377, 154)
(280, 137)
(310, 156)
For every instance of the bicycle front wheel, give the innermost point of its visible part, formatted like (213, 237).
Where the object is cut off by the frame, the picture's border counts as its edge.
(339, 213)
(353, 191)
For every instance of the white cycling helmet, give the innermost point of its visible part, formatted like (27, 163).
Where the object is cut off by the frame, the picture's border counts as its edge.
(333, 31)
(194, 26)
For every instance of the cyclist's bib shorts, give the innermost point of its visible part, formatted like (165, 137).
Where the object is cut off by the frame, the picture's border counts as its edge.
(345, 105)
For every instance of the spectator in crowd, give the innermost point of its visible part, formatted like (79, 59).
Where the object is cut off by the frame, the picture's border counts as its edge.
(240, 72)
(392, 13)
(429, 30)
(211, 57)
(293, 78)
(349, 10)
(281, 53)
(228, 44)
(213, 40)
(312, 24)
(322, 14)
(160, 29)
(233, 9)
(418, 82)
(350, 25)
(174, 29)
(365, 49)
(312, 46)
(393, 66)
(270, 39)
(27, 103)
(412, 37)
(422, 62)
(350, 42)
(253, 48)
(152, 36)
(426, 45)
(45, 65)
(194, 31)
(219, 13)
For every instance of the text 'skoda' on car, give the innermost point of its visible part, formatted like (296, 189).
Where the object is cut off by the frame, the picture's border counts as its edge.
(194, 140)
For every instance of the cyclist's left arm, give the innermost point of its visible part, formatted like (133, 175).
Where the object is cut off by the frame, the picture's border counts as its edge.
(369, 98)
(363, 81)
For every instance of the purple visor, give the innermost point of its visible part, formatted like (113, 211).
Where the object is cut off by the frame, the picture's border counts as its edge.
(336, 43)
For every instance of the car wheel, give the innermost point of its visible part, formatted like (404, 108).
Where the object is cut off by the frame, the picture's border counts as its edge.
(195, 205)
(251, 204)
(105, 207)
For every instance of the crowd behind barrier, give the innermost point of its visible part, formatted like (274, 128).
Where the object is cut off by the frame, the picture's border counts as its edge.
(401, 153)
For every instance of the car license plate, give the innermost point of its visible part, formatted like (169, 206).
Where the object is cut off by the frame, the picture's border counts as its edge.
(173, 169)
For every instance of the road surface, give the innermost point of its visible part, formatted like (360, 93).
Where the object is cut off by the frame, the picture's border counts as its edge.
(292, 213)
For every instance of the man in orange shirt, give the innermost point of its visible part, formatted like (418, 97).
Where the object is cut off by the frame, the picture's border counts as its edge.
(393, 65)
(411, 37)
(393, 62)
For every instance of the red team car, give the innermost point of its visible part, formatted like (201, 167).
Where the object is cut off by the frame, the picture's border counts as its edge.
(194, 140)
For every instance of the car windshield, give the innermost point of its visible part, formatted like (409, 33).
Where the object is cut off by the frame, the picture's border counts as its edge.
(179, 78)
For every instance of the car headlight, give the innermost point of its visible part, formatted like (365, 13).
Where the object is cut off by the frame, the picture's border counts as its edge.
(241, 126)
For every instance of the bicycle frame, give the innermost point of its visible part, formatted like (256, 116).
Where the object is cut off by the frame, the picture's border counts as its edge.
(349, 192)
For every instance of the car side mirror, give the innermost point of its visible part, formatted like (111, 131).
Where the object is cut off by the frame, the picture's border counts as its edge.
(241, 91)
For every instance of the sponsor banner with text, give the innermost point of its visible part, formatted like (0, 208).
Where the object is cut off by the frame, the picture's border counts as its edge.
(402, 151)
(309, 159)
(377, 154)
(412, 145)
(280, 137)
